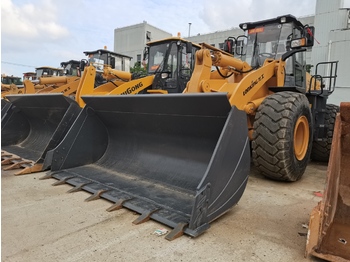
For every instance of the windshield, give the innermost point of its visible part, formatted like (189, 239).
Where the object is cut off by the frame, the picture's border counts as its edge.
(97, 61)
(11, 80)
(267, 42)
(156, 56)
(48, 72)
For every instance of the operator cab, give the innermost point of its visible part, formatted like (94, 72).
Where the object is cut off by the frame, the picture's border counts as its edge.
(281, 37)
(71, 68)
(101, 57)
(172, 61)
(8, 80)
(47, 71)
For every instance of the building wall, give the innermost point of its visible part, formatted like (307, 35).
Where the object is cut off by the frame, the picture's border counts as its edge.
(131, 40)
(333, 36)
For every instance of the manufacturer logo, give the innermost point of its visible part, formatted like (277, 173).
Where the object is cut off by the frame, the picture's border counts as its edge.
(132, 89)
(253, 83)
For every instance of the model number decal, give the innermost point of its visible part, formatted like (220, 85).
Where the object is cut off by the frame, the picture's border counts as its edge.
(254, 83)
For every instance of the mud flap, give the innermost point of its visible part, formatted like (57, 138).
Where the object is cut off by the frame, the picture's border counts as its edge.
(329, 227)
(180, 159)
(35, 124)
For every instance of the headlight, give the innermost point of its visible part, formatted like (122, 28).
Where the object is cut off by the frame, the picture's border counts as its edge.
(298, 43)
(283, 19)
(164, 75)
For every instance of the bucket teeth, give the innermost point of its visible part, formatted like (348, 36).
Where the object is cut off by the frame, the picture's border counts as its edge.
(117, 205)
(18, 164)
(77, 188)
(62, 181)
(47, 176)
(9, 160)
(178, 231)
(96, 196)
(144, 217)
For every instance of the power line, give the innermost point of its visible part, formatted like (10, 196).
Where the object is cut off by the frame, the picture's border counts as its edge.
(4, 62)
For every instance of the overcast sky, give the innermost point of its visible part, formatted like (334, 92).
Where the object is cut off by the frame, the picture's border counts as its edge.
(45, 32)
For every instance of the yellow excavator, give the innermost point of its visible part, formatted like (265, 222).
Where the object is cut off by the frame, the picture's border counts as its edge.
(184, 159)
(40, 122)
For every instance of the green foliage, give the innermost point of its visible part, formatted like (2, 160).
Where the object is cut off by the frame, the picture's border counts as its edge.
(138, 69)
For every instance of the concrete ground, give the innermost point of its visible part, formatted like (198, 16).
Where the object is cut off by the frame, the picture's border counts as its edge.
(41, 222)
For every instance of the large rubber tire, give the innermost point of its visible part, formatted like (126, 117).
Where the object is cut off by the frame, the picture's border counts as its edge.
(282, 136)
(321, 149)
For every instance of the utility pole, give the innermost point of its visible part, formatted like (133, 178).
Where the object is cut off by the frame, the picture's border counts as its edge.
(189, 29)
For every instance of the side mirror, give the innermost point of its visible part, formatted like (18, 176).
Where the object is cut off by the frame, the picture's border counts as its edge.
(309, 33)
(241, 45)
(145, 53)
(83, 63)
(228, 46)
(112, 64)
(188, 47)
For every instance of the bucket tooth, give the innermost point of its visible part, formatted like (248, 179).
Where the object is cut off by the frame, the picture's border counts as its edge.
(47, 176)
(96, 196)
(178, 231)
(144, 217)
(32, 169)
(18, 164)
(62, 181)
(77, 188)
(117, 205)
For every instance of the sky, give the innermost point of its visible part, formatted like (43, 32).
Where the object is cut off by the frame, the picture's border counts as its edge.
(38, 33)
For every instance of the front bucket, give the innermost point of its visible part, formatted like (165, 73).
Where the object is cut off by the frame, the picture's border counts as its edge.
(35, 124)
(329, 227)
(180, 159)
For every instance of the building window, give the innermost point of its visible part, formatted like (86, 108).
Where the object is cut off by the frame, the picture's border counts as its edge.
(148, 36)
(138, 58)
(212, 45)
(221, 46)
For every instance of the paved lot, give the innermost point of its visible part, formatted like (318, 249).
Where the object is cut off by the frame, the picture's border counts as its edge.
(41, 222)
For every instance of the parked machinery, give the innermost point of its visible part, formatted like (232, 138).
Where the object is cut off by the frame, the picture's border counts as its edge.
(184, 159)
(50, 116)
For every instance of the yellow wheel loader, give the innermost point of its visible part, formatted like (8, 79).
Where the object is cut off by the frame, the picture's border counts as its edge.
(329, 228)
(50, 80)
(184, 159)
(38, 123)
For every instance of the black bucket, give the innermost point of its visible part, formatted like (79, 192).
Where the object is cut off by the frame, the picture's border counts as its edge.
(36, 123)
(180, 159)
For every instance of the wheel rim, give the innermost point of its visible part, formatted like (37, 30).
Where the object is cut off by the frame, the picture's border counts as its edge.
(301, 137)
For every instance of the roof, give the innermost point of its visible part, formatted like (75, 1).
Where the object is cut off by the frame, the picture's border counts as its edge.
(105, 51)
(289, 18)
(70, 62)
(48, 67)
(174, 38)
